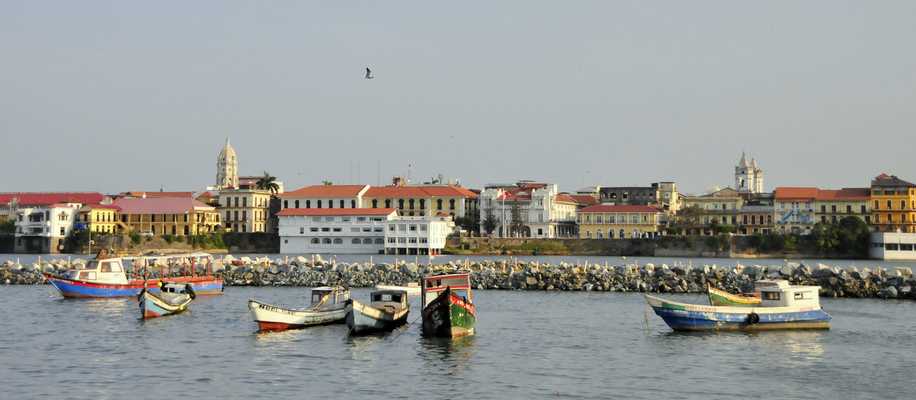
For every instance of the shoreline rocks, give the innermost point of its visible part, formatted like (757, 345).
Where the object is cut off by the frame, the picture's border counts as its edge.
(897, 283)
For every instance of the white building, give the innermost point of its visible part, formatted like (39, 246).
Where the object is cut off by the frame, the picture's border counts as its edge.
(43, 229)
(528, 209)
(227, 168)
(334, 230)
(748, 176)
(418, 235)
(893, 246)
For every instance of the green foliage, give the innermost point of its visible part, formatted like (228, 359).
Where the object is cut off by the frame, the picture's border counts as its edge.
(849, 236)
(168, 238)
(211, 241)
(77, 241)
(135, 238)
(8, 227)
(470, 222)
(490, 222)
(268, 182)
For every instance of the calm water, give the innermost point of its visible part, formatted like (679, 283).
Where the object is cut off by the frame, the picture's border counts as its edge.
(529, 345)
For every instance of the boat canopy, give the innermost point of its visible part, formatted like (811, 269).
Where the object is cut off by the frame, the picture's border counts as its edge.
(330, 295)
(779, 293)
(433, 285)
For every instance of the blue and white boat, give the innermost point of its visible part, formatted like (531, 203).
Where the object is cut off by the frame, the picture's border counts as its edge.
(782, 306)
(172, 298)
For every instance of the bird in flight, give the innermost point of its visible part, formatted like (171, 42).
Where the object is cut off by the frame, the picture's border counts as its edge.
(369, 73)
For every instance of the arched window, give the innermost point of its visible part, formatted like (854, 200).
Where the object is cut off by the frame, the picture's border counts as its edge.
(327, 240)
(387, 203)
(374, 203)
(367, 241)
(316, 241)
(622, 234)
(355, 241)
(338, 241)
(451, 204)
(401, 203)
(296, 203)
(610, 234)
(439, 204)
(422, 204)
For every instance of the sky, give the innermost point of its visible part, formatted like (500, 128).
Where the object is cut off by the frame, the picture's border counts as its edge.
(112, 96)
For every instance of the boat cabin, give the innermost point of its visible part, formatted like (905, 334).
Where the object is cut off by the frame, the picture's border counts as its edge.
(108, 271)
(459, 284)
(329, 295)
(178, 288)
(779, 293)
(388, 299)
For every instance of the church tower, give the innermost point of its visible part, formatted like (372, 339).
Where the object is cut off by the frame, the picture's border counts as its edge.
(227, 168)
(748, 176)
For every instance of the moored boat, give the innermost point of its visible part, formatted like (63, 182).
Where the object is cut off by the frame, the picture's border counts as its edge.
(412, 288)
(329, 306)
(718, 297)
(782, 306)
(172, 298)
(107, 277)
(387, 310)
(448, 306)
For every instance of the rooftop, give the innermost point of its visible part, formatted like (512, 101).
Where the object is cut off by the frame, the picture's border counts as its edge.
(420, 191)
(336, 212)
(326, 191)
(160, 205)
(606, 208)
(885, 180)
(44, 199)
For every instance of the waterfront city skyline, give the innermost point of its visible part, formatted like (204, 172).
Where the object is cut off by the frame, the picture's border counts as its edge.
(113, 97)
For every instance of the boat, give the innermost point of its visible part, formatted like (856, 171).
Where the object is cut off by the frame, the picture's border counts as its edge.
(172, 298)
(387, 310)
(782, 306)
(329, 306)
(448, 306)
(718, 297)
(412, 288)
(106, 276)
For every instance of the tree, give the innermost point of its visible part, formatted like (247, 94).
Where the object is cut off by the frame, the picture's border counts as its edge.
(853, 236)
(490, 222)
(327, 183)
(826, 237)
(470, 222)
(268, 182)
(516, 223)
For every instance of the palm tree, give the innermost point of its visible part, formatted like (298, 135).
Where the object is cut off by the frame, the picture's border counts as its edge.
(327, 183)
(268, 182)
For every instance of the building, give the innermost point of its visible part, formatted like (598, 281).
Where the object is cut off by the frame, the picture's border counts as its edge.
(227, 168)
(325, 196)
(893, 204)
(245, 210)
(11, 201)
(756, 215)
(663, 195)
(100, 218)
(179, 216)
(605, 221)
(422, 200)
(44, 228)
(748, 176)
(893, 246)
(719, 207)
(418, 235)
(334, 230)
(793, 209)
(528, 209)
(831, 206)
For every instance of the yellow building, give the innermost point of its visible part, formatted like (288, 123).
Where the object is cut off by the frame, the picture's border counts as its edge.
(168, 216)
(422, 200)
(245, 210)
(893, 202)
(618, 222)
(720, 207)
(101, 218)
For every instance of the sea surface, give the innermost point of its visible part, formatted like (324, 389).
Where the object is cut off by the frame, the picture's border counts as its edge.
(529, 345)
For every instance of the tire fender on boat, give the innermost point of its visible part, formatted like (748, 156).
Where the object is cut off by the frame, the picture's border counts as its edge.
(753, 318)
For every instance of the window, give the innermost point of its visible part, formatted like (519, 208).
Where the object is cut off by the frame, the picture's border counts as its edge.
(316, 241)
(771, 295)
(338, 241)
(228, 216)
(244, 202)
(451, 204)
(337, 229)
(391, 228)
(330, 203)
(301, 231)
(411, 203)
(379, 241)
(345, 219)
(374, 203)
(367, 229)
(367, 241)
(329, 219)
(439, 204)
(355, 241)
(360, 219)
(236, 216)
(903, 204)
(401, 203)
(63, 231)
(308, 204)
(244, 215)
(325, 229)
(391, 240)
(352, 204)
(387, 203)
(412, 228)
(889, 205)
(319, 203)
(327, 241)
(799, 295)
(378, 229)
(423, 228)
(285, 203)
(313, 229)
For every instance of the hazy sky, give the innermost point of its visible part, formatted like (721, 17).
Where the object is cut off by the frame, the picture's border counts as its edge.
(110, 96)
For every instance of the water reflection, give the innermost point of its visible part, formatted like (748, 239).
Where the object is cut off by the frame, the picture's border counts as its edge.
(449, 355)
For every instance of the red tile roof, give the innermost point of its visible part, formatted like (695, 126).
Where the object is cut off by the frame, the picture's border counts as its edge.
(607, 208)
(420, 191)
(154, 194)
(844, 194)
(325, 191)
(338, 212)
(103, 206)
(795, 193)
(584, 199)
(44, 199)
(159, 205)
(565, 198)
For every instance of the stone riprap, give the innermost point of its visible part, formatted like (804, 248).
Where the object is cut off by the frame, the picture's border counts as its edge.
(507, 275)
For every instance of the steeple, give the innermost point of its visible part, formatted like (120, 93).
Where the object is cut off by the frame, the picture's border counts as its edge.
(227, 167)
(743, 161)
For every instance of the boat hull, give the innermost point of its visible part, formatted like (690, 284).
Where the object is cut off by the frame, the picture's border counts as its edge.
(363, 319)
(69, 288)
(152, 306)
(449, 316)
(272, 318)
(692, 317)
(722, 298)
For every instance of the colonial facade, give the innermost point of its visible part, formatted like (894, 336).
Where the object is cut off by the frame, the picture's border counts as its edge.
(748, 176)
(245, 210)
(618, 222)
(168, 216)
(755, 219)
(325, 196)
(417, 235)
(663, 195)
(719, 207)
(334, 230)
(423, 200)
(831, 206)
(893, 202)
(43, 229)
(227, 168)
(528, 209)
(794, 209)
(100, 218)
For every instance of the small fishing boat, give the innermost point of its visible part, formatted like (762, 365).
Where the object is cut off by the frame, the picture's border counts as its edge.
(412, 288)
(387, 310)
(782, 306)
(106, 277)
(172, 298)
(718, 297)
(448, 306)
(329, 306)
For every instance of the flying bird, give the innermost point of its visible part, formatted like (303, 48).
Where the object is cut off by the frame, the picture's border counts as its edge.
(369, 73)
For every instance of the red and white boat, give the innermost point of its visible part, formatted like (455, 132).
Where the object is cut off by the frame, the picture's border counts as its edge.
(329, 306)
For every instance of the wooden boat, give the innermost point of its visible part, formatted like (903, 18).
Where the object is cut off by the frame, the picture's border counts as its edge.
(412, 288)
(106, 277)
(448, 306)
(718, 297)
(172, 298)
(329, 306)
(387, 310)
(782, 306)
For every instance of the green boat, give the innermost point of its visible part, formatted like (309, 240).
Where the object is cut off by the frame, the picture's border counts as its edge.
(448, 307)
(719, 297)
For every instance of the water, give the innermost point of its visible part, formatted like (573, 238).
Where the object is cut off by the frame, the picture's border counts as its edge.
(529, 345)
